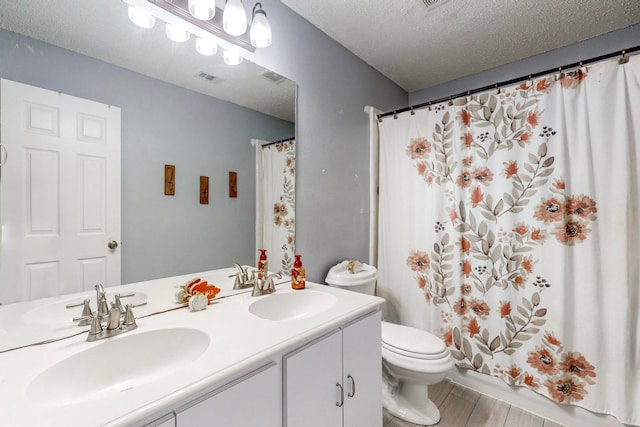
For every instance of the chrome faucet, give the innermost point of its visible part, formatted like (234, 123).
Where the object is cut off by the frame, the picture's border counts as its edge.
(105, 322)
(265, 286)
(243, 280)
(102, 305)
(113, 326)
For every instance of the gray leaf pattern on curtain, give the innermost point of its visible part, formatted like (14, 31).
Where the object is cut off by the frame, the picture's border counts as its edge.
(502, 220)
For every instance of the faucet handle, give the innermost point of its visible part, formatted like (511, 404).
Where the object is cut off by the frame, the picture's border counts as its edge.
(86, 312)
(129, 319)
(96, 326)
(118, 302)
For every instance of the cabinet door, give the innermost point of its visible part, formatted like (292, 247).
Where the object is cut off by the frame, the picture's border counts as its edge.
(253, 400)
(311, 375)
(362, 369)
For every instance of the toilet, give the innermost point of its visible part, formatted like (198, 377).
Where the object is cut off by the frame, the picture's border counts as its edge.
(412, 359)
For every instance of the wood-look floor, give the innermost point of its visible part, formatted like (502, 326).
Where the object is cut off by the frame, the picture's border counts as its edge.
(463, 407)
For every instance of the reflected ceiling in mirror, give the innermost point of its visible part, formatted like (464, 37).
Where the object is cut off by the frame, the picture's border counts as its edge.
(163, 125)
(102, 30)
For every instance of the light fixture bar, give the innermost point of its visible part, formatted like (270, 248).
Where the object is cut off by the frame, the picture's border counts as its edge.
(180, 8)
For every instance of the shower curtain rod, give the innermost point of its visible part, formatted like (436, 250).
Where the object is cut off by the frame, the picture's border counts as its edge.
(278, 142)
(621, 53)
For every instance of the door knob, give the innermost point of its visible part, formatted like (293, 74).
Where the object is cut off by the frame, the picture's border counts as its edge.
(112, 244)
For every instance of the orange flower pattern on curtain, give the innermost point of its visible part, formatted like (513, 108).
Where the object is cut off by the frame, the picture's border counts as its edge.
(283, 209)
(497, 130)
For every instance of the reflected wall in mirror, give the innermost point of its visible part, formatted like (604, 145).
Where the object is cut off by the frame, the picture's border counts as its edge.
(177, 107)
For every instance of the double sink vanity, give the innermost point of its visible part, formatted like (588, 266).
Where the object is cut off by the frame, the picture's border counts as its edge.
(291, 358)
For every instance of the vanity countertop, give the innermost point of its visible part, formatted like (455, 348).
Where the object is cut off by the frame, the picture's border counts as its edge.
(238, 341)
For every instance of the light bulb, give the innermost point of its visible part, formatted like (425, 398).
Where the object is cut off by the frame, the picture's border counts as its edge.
(234, 18)
(202, 9)
(206, 46)
(177, 33)
(141, 17)
(260, 33)
(231, 58)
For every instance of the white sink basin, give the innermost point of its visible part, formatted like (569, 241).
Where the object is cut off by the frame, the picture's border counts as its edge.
(117, 365)
(292, 305)
(57, 313)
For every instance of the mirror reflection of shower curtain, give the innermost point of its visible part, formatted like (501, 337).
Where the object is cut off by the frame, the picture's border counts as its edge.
(275, 202)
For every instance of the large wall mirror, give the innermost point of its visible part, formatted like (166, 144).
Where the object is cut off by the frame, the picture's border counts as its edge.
(178, 108)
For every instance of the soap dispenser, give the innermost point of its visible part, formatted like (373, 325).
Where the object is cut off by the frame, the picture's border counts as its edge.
(262, 264)
(298, 274)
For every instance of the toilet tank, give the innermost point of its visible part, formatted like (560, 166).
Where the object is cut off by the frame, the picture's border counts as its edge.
(363, 281)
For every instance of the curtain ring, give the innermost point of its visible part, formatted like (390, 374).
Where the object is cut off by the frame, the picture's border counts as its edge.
(623, 59)
(450, 102)
(561, 75)
(429, 106)
(495, 86)
(413, 113)
(395, 116)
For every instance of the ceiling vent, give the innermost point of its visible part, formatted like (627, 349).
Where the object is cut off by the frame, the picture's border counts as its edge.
(275, 78)
(207, 77)
(432, 3)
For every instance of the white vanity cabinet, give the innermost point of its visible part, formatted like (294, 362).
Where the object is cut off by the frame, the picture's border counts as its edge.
(252, 400)
(336, 380)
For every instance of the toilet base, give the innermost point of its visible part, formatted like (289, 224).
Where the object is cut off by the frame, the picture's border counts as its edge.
(412, 405)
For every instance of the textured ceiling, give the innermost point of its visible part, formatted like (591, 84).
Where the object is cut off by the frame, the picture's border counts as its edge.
(101, 29)
(419, 47)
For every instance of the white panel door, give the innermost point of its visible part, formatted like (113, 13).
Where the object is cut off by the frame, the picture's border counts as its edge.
(362, 371)
(59, 193)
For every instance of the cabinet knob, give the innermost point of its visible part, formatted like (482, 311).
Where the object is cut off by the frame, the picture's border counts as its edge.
(353, 386)
(340, 402)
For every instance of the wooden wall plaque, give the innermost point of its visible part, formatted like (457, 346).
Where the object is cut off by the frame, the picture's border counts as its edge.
(204, 190)
(233, 184)
(169, 180)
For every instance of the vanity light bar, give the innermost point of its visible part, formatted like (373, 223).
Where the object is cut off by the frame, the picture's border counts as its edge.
(177, 12)
(213, 26)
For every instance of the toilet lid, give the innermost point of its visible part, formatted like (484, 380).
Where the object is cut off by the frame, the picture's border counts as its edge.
(412, 342)
(339, 275)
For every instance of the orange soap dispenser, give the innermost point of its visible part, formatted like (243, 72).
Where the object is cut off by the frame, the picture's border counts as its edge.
(262, 264)
(298, 274)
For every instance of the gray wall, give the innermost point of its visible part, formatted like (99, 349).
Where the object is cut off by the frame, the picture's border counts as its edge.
(332, 181)
(163, 124)
(332, 133)
(333, 88)
(607, 43)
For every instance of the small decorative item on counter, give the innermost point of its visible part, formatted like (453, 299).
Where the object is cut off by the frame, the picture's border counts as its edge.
(262, 264)
(298, 274)
(198, 301)
(354, 266)
(194, 287)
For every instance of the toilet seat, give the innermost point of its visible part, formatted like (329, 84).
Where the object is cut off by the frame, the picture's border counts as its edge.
(412, 342)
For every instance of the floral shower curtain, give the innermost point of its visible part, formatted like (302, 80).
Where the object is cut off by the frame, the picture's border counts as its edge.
(276, 203)
(510, 227)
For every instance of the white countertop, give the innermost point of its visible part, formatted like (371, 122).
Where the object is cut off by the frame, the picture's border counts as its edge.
(238, 340)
